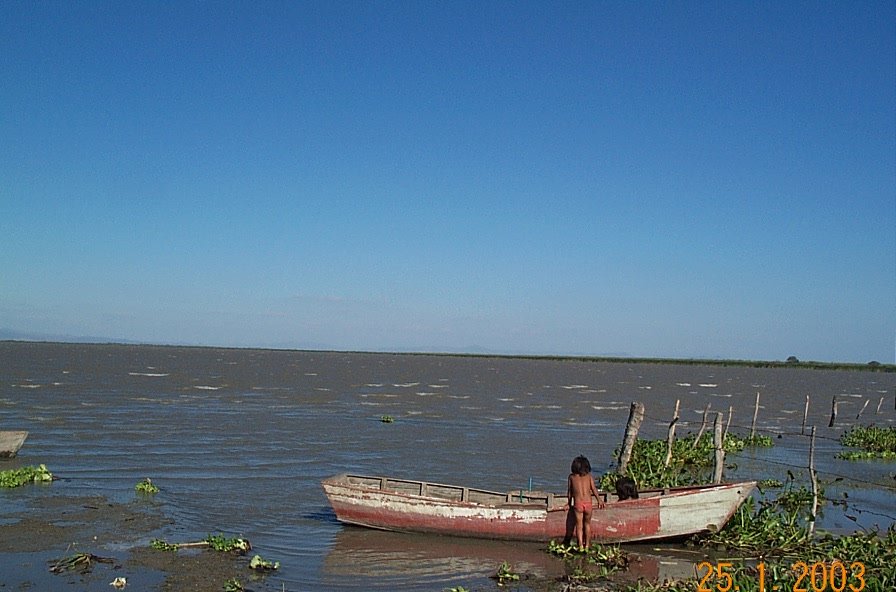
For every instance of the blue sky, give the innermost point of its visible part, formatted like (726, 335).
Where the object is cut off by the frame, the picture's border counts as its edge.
(675, 179)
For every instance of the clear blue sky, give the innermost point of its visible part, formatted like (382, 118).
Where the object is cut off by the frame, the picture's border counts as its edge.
(671, 179)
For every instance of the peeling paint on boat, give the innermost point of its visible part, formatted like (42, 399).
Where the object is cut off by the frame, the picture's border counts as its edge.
(418, 506)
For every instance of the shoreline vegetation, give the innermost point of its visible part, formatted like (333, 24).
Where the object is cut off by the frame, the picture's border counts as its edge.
(769, 544)
(790, 362)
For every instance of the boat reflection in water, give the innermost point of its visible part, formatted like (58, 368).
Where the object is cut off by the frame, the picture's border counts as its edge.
(382, 555)
(366, 552)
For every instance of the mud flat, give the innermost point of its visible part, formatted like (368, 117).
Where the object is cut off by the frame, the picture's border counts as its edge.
(52, 528)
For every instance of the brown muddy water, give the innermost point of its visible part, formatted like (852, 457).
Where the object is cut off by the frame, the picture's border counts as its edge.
(239, 440)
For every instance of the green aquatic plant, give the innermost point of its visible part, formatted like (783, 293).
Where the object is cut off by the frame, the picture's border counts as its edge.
(758, 529)
(779, 525)
(691, 462)
(875, 443)
(770, 484)
(600, 560)
(160, 545)
(562, 550)
(147, 487)
(223, 544)
(25, 475)
(506, 574)
(233, 585)
(578, 576)
(259, 564)
(216, 542)
(387, 419)
(756, 441)
(861, 562)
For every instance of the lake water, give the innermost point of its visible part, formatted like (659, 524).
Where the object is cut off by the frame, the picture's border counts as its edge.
(239, 441)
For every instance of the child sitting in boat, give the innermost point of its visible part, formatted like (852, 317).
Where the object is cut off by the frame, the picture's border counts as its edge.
(626, 488)
(579, 491)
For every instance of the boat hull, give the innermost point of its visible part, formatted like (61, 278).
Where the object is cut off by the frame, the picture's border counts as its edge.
(10, 442)
(670, 514)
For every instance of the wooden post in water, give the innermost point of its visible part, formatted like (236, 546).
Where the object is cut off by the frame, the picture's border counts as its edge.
(670, 439)
(728, 422)
(879, 403)
(863, 408)
(814, 482)
(833, 411)
(720, 450)
(805, 416)
(755, 415)
(702, 426)
(635, 416)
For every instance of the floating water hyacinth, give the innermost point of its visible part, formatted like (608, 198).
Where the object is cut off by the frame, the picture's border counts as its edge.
(146, 486)
(260, 564)
(25, 475)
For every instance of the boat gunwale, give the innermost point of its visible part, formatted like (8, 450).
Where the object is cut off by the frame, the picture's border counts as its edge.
(343, 480)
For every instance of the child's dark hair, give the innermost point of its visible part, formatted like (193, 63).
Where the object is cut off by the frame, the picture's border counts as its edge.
(580, 466)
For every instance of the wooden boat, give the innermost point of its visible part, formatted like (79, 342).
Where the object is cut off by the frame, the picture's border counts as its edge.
(417, 506)
(10, 442)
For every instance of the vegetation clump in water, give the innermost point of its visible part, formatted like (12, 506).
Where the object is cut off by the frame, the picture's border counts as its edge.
(216, 542)
(690, 464)
(594, 563)
(505, 574)
(147, 487)
(25, 475)
(777, 546)
(774, 536)
(771, 526)
(861, 562)
(260, 564)
(874, 442)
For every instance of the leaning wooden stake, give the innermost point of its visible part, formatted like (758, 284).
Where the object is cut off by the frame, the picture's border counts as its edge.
(635, 416)
(755, 415)
(670, 440)
(879, 404)
(702, 426)
(728, 422)
(834, 404)
(805, 416)
(720, 450)
(814, 482)
(863, 408)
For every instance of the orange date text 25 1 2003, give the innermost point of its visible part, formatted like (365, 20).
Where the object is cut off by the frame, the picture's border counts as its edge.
(817, 576)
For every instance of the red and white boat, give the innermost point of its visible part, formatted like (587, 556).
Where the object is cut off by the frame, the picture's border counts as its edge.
(418, 506)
